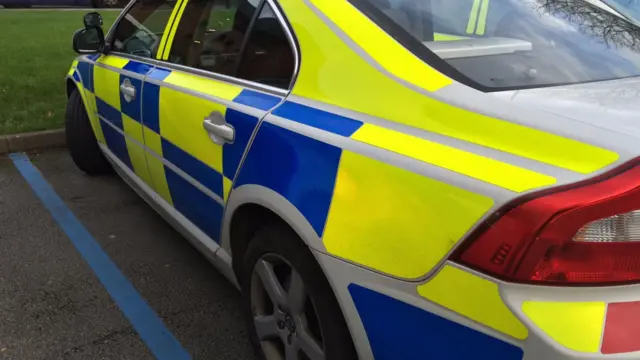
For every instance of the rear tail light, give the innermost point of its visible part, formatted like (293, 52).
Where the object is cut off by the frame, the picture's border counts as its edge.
(588, 234)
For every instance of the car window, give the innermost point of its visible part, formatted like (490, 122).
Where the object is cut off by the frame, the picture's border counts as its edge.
(446, 20)
(268, 57)
(629, 8)
(447, 17)
(139, 32)
(211, 33)
(496, 45)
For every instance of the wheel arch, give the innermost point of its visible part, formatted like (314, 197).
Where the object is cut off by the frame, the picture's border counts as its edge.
(70, 86)
(251, 207)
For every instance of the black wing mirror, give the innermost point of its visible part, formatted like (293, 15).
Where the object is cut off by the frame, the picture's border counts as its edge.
(89, 40)
(92, 20)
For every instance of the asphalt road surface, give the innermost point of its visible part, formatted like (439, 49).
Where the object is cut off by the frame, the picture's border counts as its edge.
(52, 304)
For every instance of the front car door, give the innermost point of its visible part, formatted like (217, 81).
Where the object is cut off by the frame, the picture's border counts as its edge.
(133, 44)
(227, 63)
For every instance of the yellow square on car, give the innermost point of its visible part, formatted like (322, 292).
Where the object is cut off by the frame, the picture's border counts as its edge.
(386, 179)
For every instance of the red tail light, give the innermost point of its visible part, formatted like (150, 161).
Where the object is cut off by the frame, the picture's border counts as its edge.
(585, 235)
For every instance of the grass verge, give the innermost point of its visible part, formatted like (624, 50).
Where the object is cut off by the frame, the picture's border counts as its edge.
(34, 59)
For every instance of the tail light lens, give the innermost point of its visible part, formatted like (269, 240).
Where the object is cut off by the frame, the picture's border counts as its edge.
(616, 228)
(588, 234)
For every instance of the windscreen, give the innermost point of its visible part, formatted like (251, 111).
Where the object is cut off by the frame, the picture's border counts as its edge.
(629, 8)
(496, 45)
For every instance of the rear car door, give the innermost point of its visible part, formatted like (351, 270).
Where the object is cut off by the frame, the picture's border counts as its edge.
(227, 64)
(133, 44)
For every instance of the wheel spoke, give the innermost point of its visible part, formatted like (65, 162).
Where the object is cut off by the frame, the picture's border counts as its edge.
(292, 352)
(310, 346)
(297, 295)
(270, 282)
(266, 327)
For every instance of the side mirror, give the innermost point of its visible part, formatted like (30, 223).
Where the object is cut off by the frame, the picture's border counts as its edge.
(88, 41)
(92, 20)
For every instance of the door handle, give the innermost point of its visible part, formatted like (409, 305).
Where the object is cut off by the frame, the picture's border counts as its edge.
(128, 90)
(219, 131)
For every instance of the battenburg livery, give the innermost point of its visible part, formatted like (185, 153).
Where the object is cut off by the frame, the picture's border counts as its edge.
(409, 179)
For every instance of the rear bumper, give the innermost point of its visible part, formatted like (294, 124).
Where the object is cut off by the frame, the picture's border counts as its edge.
(577, 323)
(395, 319)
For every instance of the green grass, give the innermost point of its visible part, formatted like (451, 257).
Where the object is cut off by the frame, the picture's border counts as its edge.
(35, 55)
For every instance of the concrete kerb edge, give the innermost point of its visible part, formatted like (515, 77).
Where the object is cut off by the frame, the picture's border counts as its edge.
(38, 140)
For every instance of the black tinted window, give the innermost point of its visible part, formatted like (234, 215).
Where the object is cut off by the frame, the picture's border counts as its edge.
(267, 57)
(211, 33)
(140, 30)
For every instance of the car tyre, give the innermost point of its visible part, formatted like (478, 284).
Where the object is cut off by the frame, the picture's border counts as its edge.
(81, 140)
(288, 303)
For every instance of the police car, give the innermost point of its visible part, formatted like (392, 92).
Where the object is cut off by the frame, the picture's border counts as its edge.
(406, 179)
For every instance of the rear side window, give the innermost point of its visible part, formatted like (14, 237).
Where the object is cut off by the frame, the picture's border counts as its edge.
(267, 57)
(139, 32)
(211, 33)
(239, 38)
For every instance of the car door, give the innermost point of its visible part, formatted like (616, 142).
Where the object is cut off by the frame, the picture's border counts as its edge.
(205, 98)
(133, 44)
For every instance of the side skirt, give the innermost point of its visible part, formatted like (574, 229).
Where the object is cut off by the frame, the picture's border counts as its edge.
(205, 245)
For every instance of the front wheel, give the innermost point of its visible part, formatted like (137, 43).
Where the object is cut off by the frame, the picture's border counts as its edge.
(289, 306)
(81, 141)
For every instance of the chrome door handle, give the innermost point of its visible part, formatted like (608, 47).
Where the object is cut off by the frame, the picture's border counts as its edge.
(128, 90)
(219, 131)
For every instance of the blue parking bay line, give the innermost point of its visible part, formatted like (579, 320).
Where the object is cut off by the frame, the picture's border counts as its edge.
(151, 329)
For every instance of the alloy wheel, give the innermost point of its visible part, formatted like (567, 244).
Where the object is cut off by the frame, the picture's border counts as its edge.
(284, 316)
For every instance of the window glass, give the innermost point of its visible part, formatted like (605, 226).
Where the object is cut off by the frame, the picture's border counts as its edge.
(628, 8)
(447, 17)
(510, 44)
(267, 57)
(139, 32)
(211, 33)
